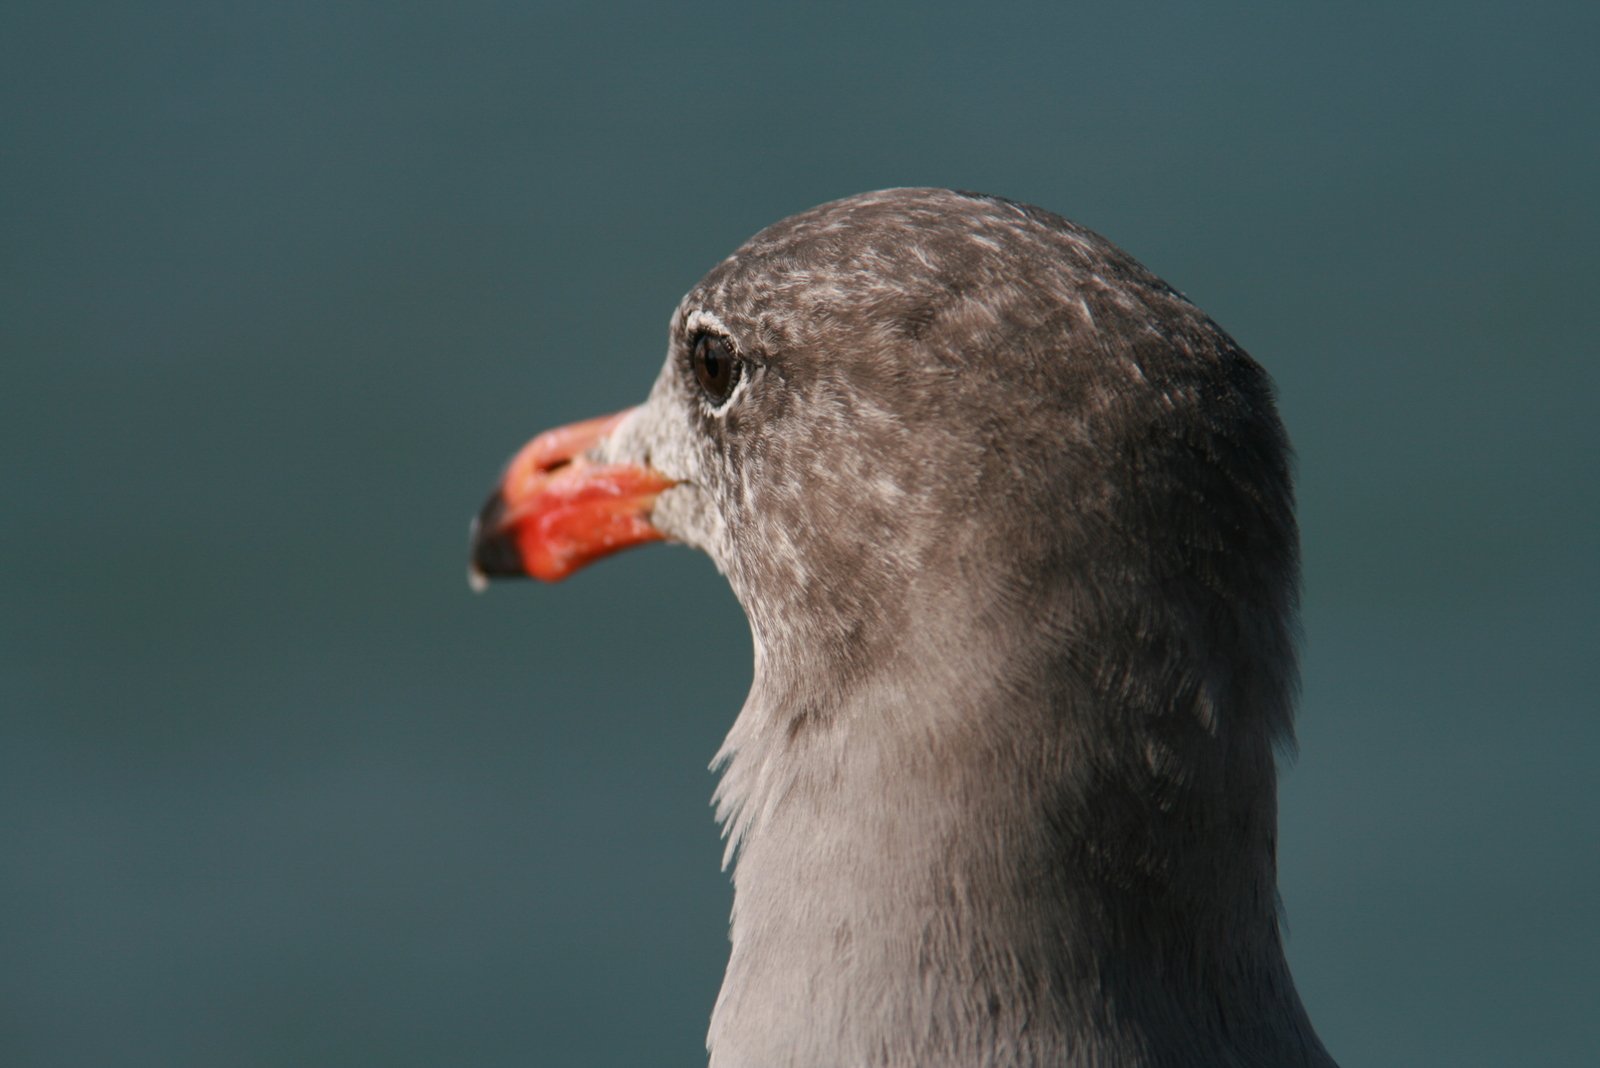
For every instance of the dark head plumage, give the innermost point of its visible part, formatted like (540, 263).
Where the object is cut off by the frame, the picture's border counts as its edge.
(1013, 524)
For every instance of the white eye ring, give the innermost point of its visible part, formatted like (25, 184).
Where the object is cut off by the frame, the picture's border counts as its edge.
(701, 321)
(717, 369)
(698, 326)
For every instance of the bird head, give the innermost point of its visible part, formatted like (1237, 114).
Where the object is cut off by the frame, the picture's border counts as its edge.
(920, 404)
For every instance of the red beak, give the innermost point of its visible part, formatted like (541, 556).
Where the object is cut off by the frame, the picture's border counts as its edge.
(555, 511)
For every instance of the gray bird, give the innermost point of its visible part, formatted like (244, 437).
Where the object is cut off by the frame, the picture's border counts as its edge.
(1013, 525)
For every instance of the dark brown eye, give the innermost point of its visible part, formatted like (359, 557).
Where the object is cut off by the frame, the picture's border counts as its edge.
(715, 367)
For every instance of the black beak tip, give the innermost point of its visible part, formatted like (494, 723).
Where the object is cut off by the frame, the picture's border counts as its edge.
(493, 552)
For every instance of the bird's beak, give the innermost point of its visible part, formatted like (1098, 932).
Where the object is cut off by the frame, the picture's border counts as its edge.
(555, 510)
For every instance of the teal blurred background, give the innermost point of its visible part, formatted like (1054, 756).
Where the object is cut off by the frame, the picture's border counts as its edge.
(282, 286)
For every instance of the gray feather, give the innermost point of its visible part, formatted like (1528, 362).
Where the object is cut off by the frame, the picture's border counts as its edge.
(1013, 524)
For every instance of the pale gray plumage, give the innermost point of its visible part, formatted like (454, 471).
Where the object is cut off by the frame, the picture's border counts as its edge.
(1013, 525)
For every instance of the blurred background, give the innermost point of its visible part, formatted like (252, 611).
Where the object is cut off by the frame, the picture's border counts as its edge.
(282, 286)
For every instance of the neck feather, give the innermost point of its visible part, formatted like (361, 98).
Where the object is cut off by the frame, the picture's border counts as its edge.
(966, 873)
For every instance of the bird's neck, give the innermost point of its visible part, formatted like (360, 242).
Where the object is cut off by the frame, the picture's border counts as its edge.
(929, 879)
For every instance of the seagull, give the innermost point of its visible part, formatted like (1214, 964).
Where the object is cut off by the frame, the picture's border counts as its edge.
(1013, 525)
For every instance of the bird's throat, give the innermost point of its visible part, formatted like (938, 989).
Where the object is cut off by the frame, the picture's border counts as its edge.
(930, 897)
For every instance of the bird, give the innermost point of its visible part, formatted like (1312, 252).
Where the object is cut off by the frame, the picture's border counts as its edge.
(1013, 525)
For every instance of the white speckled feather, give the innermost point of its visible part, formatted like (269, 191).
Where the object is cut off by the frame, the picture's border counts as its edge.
(1013, 525)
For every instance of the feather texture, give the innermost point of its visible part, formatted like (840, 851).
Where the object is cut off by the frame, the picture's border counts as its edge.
(1013, 524)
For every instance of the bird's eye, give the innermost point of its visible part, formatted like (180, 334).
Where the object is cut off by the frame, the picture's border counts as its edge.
(715, 366)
